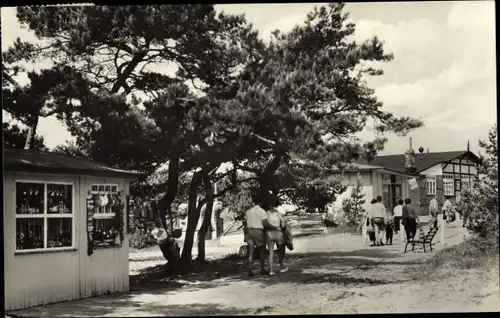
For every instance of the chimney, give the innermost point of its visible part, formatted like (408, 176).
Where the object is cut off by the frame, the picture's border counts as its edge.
(410, 166)
(428, 150)
(468, 146)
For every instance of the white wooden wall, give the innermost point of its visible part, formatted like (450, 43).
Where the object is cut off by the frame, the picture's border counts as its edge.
(39, 278)
(436, 170)
(369, 187)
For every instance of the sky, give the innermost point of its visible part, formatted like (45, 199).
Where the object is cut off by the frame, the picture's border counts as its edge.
(443, 69)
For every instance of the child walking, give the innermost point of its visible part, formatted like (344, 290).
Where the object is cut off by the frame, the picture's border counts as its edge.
(389, 226)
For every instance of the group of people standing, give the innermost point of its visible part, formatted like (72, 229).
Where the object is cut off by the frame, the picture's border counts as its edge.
(266, 229)
(379, 223)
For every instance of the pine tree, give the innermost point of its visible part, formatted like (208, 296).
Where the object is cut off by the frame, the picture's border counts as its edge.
(480, 203)
(353, 206)
(284, 111)
(14, 136)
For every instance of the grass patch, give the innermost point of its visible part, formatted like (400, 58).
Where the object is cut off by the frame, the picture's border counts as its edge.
(344, 228)
(474, 252)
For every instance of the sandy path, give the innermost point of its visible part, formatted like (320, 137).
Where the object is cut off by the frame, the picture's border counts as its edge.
(328, 274)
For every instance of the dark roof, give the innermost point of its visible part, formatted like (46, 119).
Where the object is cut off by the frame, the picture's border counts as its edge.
(360, 167)
(50, 162)
(423, 161)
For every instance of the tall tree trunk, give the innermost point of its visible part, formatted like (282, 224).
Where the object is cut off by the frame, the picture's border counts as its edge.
(207, 216)
(193, 217)
(30, 138)
(171, 217)
(165, 203)
(266, 179)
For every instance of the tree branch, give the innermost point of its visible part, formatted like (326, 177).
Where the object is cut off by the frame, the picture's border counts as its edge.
(228, 189)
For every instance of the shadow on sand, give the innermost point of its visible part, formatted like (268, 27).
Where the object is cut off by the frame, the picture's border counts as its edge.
(354, 268)
(305, 268)
(127, 304)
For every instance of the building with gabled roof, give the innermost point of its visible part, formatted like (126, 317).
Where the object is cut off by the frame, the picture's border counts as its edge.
(444, 174)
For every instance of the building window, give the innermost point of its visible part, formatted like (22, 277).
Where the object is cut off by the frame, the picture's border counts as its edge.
(107, 199)
(448, 185)
(466, 184)
(44, 215)
(430, 185)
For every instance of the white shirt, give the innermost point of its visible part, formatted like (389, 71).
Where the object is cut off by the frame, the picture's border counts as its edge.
(398, 210)
(433, 205)
(254, 217)
(447, 205)
(378, 210)
(274, 217)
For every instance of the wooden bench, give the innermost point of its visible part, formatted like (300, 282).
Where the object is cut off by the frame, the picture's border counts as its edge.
(427, 239)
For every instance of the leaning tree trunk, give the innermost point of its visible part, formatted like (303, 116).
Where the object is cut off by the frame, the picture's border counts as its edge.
(207, 216)
(30, 137)
(165, 203)
(192, 221)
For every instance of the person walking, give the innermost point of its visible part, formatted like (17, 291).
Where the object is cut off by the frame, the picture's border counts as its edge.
(275, 236)
(448, 210)
(377, 219)
(367, 231)
(389, 226)
(398, 214)
(409, 220)
(256, 220)
(433, 212)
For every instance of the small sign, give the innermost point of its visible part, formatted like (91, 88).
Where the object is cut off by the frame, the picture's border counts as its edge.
(90, 223)
(413, 183)
(130, 214)
(90, 214)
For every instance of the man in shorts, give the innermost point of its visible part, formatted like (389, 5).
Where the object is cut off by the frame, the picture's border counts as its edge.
(409, 220)
(378, 220)
(256, 222)
(433, 211)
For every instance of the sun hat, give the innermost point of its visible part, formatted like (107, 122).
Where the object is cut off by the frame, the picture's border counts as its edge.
(159, 234)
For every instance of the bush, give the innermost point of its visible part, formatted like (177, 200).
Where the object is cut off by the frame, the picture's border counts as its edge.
(474, 252)
(141, 239)
(353, 206)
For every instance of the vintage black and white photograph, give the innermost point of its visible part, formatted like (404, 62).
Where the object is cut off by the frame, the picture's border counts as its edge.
(250, 159)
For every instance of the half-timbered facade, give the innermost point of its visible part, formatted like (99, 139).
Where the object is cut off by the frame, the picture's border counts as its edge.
(444, 174)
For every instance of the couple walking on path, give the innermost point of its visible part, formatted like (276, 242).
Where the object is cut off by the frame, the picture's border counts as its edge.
(377, 223)
(266, 228)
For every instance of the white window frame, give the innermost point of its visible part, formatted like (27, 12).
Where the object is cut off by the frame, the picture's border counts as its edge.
(430, 185)
(45, 216)
(104, 215)
(466, 182)
(448, 184)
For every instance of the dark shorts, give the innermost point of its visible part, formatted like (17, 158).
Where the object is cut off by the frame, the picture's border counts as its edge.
(397, 222)
(378, 223)
(372, 236)
(256, 237)
(275, 237)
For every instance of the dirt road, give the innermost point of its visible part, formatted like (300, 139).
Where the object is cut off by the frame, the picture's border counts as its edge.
(328, 274)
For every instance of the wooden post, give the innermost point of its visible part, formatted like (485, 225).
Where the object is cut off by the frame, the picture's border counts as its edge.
(442, 226)
(402, 231)
(364, 231)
